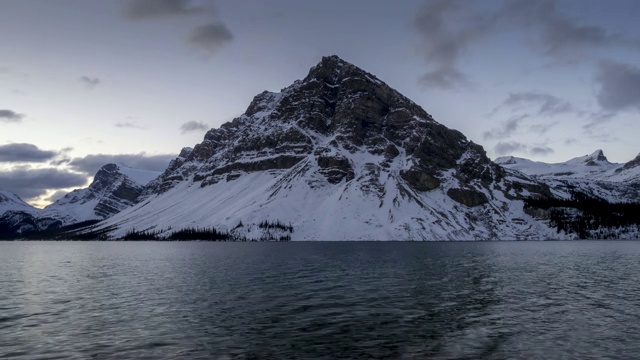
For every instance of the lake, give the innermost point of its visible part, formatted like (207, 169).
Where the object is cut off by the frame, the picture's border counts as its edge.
(320, 300)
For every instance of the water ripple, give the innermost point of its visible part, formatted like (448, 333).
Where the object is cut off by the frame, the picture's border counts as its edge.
(319, 300)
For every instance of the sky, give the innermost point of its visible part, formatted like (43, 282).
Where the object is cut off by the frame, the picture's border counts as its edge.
(87, 82)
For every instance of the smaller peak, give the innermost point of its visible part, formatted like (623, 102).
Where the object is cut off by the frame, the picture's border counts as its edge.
(596, 158)
(598, 155)
(110, 167)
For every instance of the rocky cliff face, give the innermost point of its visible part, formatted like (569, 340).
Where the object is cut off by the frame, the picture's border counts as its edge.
(115, 187)
(338, 154)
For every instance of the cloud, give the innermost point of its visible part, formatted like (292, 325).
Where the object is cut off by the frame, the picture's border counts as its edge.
(90, 82)
(25, 153)
(129, 125)
(445, 78)
(90, 164)
(444, 40)
(555, 34)
(544, 104)
(597, 118)
(541, 150)
(507, 148)
(57, 195)
(10, 116)
(210, 37)
(507, 129)
(29, 183)
(144, 9)
(448, 30)
(194, 126)
(619, 86)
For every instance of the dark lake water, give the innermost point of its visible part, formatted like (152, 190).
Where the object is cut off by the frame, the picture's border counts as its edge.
(533, 300)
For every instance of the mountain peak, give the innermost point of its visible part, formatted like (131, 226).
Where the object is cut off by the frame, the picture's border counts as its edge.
(333, 70)
(332, 62)
(598, 155)
(595, 159)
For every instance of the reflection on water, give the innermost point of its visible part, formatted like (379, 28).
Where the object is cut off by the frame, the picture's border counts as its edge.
(320, 300)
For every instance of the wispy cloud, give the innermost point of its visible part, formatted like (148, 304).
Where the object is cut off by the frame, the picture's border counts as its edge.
(515, 147)
(508, 148)
(90, 82)
(506, 129)
(194, 126)
(541, 150)
(129, 125)
(144, 9)
(10, 116)
(542, 104)
(211, 37)
(619, 86)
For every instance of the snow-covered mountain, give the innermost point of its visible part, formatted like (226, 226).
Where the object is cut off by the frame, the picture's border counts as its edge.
(115, 187)
(16, 216)
(595, 166)
(594, 198)
(12, 202)
(337, 155)
(592, 174)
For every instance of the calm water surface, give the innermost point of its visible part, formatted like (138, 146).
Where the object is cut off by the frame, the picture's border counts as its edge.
(551, 300)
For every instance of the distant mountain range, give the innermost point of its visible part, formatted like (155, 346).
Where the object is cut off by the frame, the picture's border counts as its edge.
(115, 187)
(340, 155)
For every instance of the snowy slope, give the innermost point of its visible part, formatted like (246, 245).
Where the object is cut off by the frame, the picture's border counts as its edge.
(338, 155)
(12, 202)
(345, 211)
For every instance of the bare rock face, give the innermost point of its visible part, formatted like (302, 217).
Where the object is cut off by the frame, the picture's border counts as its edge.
(468, 197)
(420, 180)
(335, 168)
